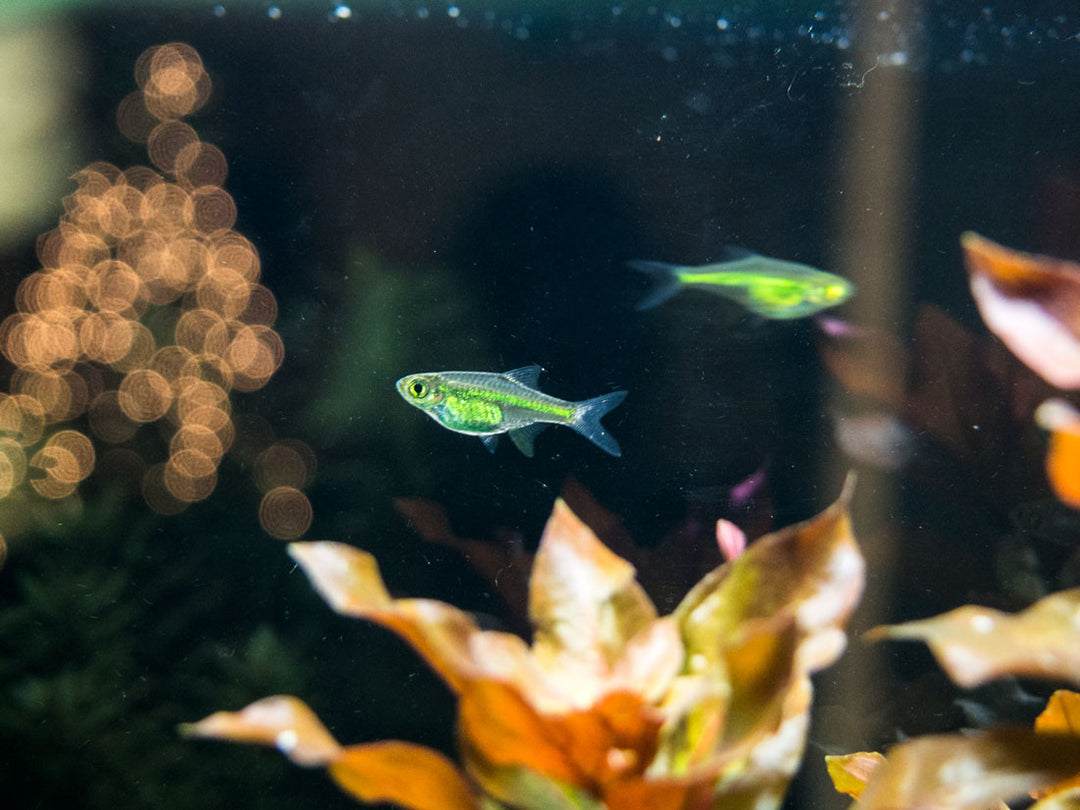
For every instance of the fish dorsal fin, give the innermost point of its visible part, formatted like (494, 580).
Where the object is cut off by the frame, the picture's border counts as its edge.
(523, 437)
(526, 375)
(491, 441)
(732, 253)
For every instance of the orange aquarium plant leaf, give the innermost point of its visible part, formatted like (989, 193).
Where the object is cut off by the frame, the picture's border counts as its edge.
(501, 560)
(584, 760)
(669, 793)
(755, 629)
(1063, 455)
(1061, 716)
(612, 707)
(851, 772)
(346, 577)
(812, 570)
(1032, 303)
(1065, 800)
(976, 644)
(403, 774)
(408, 775)
(969, 772)
(584, 601)
(610, 742)
(283, 722)
(500, 730)
(866, 361)
(349, 580)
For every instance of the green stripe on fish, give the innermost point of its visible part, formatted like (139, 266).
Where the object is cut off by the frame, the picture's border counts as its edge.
(483, 404)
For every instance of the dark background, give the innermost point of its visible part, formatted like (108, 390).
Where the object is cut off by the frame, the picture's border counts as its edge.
(429, 194)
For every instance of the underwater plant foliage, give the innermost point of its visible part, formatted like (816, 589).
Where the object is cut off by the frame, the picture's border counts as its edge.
(1030, 302)
(122, 648)
(611, 705)
(714, 396)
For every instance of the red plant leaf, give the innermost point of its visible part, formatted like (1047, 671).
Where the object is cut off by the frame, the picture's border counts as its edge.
(501, 561)
(1032, 303)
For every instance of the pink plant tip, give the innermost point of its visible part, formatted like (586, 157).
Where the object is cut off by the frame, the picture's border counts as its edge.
(730, 538)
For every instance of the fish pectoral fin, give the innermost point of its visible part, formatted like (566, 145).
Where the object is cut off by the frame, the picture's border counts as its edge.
(526, 375)
(491, 441)
(523, 437)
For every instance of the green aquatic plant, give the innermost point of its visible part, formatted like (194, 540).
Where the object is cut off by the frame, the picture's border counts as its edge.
(100, 656)
(387, 323)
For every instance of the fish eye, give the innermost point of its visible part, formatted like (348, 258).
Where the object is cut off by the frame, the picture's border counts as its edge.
(418, 389)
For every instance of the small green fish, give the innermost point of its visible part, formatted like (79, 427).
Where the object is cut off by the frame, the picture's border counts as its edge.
(769, 287)
(483, 404)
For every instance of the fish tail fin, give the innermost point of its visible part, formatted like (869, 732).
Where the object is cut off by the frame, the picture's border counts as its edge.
(587, 416)
(665, 281)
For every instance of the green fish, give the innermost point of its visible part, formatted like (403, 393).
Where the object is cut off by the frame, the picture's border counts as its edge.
(483, 404)
(769, 287)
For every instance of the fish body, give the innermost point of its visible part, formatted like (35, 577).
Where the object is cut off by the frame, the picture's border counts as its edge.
(772, 288)
(480, 403)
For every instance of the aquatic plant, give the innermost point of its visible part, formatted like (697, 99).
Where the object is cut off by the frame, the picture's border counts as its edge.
(667, 570)
(1030, 302)
(105, 646)
(611, 706)
(966, 771)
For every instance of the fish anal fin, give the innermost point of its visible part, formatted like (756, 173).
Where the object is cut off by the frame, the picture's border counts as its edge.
(491, 441)
(523, 437)
(526, 375)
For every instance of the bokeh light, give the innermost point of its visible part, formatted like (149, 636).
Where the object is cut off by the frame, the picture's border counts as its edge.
(12, 465)
(166, 141)
(108, 421)
(145, 396)
(22, 418)
(147, 309)
(285, 513)
(288, 463)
